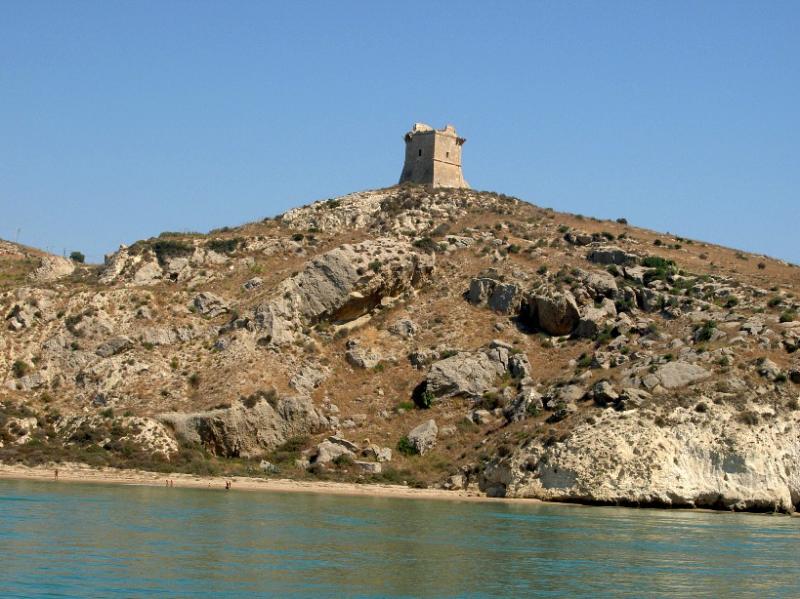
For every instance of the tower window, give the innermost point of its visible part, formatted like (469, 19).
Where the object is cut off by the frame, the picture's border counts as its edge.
(420, 152)
(447, 154)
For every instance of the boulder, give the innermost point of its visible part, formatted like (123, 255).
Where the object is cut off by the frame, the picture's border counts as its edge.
(481, 416)
(328, 451)
(349, 445)
(253, 283)
(768, 369)
(612, 255)
(368, 467)
(592, 321)
(361, 357)
(527, 403)
(674, 375)
(423, 437)
(555, 312)
(578, 238)
(405, 328)
(480, 288)
(600, 284)
(268, 467)
(631, 398)
(209, 304)
(114, 346)
(377, 453)
(466, 373)
(504, 298)
(603, 394)
(519, 366)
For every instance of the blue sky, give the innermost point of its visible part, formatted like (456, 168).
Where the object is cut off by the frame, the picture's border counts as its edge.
(119, 120)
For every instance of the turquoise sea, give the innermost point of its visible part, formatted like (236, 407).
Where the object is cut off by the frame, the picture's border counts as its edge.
(88, 540)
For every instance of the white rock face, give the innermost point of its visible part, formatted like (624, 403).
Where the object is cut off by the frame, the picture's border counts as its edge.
(52, 268)
(241, 431)
(708, 460)
(423, 437)
(341, 285)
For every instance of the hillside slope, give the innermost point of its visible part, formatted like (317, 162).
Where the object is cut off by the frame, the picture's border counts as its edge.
(434, 336)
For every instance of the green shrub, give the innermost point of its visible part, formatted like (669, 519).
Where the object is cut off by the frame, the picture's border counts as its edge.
(20, 368)
(165, 249)
(425, 400)
(788, 316)
(405, 447)
(77, 257)
(427, 244)
(584, 360)
(224, 246)
(705, 331)
(343, 461)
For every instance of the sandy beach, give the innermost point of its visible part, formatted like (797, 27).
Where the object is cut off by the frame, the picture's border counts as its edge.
(79, 473)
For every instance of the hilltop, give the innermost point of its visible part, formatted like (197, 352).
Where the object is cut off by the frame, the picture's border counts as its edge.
(441, 337)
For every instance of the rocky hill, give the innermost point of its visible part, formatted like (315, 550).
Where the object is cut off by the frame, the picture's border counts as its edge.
(434, 336)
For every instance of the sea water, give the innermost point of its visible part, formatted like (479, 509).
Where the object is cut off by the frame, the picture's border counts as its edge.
(92, 540)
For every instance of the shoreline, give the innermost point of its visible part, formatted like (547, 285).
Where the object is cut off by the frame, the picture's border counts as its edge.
(83, 474)
(76, 473)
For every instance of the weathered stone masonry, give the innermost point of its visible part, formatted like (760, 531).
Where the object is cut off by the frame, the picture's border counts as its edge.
(433, 157)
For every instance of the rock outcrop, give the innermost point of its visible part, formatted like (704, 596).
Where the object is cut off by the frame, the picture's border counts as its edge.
(340, 286)
(52, 268)
(247, 431)
(714, 462)
(423, 437)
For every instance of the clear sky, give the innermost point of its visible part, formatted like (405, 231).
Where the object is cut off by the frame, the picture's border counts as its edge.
(119, 120)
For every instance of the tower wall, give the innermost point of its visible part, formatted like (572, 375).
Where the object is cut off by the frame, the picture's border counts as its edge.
(433, 157)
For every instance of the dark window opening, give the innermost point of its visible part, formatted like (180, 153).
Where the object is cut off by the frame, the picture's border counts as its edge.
(447, 154)
(420, 152)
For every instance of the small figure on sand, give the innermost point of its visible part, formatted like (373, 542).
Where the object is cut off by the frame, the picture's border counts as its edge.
(227, 485)
(55, 474)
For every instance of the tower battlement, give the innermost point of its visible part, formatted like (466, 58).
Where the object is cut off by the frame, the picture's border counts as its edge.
(433, 157)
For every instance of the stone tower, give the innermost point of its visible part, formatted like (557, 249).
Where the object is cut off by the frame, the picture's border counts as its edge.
(433, 157)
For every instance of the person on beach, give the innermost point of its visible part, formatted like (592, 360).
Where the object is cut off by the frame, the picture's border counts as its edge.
(227, 485)
(55, 474)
